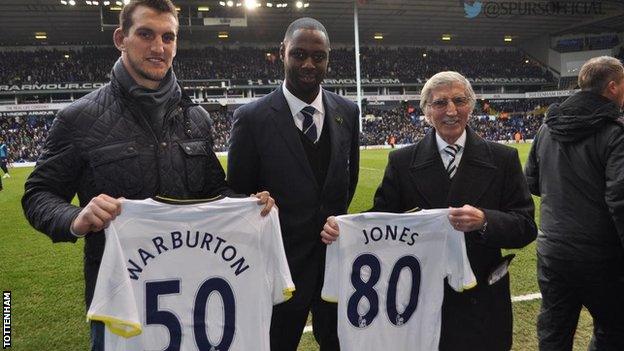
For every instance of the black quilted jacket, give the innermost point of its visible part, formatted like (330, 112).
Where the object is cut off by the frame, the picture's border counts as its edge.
(102, 143)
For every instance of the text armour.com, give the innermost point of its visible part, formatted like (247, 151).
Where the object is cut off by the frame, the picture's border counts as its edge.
(452, 151)
(309, 128)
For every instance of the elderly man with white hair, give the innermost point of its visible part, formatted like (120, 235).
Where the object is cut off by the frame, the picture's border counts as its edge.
(483, 184)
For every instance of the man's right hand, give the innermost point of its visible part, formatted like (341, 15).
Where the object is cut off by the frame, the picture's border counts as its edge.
(97, 215)
(330, 231)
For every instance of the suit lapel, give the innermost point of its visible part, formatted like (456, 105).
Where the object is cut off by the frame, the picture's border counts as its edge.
(332, 127)
(428, 174)
(475, 172)
(283, 119)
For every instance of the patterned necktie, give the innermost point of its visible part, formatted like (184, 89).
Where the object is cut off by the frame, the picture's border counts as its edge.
(452, 151)
(309, 128)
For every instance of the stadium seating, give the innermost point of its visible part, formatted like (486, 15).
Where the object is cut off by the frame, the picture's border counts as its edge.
(494, 120)
(93, 64)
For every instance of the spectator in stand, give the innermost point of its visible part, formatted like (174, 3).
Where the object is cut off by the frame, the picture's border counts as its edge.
(27, 134)
(244, 63)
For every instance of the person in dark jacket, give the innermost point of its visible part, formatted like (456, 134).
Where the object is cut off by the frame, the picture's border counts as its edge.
(576, 166)
(136, 137)
(301, 142)
(482, 182)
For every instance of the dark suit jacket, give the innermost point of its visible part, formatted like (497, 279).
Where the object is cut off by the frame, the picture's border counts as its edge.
(266, 153)
(489, 177)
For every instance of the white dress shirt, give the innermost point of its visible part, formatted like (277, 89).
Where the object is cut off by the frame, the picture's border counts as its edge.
(296, 105)
(446, 158)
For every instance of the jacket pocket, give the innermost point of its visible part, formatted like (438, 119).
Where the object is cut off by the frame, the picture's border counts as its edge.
(196, 158)
(116, 169)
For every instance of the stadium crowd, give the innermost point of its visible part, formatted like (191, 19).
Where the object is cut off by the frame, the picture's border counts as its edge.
(494, 120)
(24, 136)
(92, 64)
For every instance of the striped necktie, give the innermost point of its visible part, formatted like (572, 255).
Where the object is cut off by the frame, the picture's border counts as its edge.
(452, 151)
(309, 128)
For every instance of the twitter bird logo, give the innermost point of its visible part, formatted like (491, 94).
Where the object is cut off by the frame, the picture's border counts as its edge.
(472, 8)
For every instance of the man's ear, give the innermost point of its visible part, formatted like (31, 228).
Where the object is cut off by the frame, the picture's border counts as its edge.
(118, 39)
(282, 51)
(610, 90)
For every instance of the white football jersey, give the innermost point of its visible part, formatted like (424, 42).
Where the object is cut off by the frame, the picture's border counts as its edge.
(386, 272)
(199, 276)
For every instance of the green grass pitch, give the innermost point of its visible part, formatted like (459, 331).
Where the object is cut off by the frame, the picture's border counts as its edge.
(47, 283)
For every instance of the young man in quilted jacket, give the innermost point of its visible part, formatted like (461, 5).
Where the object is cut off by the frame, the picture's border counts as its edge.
(137, 137)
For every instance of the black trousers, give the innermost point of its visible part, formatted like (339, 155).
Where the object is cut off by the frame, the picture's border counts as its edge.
(566, 286)
(288, 321)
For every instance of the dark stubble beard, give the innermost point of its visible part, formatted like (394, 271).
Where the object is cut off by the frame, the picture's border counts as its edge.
(144, 74)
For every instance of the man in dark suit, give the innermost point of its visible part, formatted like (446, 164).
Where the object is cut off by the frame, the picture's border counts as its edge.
(483, 184)
(300, 142)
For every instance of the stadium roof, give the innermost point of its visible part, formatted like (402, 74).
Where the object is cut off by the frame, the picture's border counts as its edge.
(401, 22)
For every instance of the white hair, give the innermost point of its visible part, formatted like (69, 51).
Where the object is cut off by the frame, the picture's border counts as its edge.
(445, 78)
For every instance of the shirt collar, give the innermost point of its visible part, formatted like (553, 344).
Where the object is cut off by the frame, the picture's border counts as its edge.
(461, 141)
(295, 104)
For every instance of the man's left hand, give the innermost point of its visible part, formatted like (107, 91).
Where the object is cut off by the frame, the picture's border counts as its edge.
(264, 198)
(466, 218)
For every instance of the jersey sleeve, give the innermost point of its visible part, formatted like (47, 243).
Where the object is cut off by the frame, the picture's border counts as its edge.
(278, 270)
(114, 302)
(330, 289)
(458, 270)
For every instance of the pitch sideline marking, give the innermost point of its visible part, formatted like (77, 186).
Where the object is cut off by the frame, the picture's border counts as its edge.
(521, 298)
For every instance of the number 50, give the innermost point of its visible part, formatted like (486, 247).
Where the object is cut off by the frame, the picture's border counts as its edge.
(155, 316)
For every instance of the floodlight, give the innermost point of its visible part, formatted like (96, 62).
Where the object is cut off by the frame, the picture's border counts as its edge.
(251, 4)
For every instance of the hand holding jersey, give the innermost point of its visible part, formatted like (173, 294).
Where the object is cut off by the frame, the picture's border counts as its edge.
(464, 219)
(190, 276)
(102, 209)
(387, 274)
(97, 215)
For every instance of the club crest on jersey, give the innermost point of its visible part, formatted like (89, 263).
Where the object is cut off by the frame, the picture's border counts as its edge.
(399, 320)
(362, 322)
